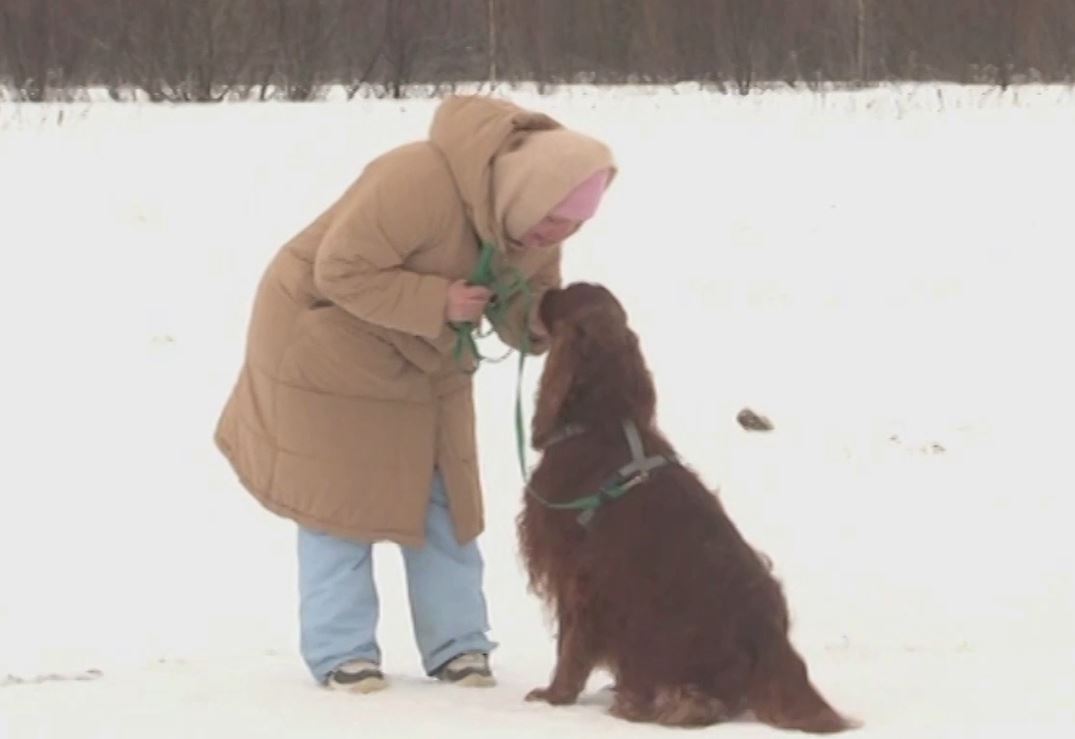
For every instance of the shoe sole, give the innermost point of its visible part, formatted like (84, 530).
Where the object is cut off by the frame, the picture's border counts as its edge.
(369, 685)
(475, 680)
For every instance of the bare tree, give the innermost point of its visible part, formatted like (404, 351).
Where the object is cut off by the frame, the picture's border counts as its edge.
(862, 62)
(491, 44)
(360, 36)
(401, 43)
(302, 41)
(532, 24)
(27, 42)
(205, 50)
(739, 20)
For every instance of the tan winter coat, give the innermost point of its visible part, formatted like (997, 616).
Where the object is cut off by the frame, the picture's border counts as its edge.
(349, 397)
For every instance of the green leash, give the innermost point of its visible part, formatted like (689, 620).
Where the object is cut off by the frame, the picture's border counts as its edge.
(634, 473)
(466, 333)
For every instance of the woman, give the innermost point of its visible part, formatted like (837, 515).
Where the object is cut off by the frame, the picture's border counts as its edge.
(353, 414)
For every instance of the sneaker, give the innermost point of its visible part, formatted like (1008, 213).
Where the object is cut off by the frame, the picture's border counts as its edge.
(470, 670)
(357, 676)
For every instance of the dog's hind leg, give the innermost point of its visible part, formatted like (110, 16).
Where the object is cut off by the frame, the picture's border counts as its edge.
(688, 705)
(632, 705)
(681, 705)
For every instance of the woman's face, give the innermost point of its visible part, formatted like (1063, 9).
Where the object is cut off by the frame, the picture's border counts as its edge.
(550, 230)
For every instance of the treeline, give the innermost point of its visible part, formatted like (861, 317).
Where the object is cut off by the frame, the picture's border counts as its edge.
(206, 50)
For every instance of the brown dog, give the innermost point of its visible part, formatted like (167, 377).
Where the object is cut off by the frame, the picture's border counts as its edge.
(650, 578)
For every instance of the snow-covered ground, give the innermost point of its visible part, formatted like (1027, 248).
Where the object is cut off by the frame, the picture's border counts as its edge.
(885, 274)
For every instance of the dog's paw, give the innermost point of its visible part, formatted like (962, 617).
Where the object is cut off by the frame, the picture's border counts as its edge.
(548, 695)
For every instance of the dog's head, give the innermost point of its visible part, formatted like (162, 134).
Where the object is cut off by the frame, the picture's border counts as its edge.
(583, 305)
(595, 370)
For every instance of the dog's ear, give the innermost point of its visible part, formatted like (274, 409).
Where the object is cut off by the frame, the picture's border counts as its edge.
(555, 386)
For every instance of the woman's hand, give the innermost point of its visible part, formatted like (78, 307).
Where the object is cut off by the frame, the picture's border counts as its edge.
(466, 303)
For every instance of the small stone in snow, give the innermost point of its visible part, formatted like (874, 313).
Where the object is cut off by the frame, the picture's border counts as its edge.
(751, 421)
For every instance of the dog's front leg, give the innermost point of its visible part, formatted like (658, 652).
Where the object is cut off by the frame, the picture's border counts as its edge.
(575, 661)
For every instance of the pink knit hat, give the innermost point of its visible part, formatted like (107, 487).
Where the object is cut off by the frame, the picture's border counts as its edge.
(581, 203)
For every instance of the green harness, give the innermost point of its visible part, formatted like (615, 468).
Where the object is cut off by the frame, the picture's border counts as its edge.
(635, 472)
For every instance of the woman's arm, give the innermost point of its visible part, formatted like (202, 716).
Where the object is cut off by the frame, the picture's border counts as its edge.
(359, 264)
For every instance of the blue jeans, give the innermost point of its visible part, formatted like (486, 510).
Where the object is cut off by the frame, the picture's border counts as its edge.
(338, 608)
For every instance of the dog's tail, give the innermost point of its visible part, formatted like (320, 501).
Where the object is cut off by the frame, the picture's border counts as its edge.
(781, 694)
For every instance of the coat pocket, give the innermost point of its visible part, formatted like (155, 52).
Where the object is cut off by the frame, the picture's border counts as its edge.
(331, 352)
